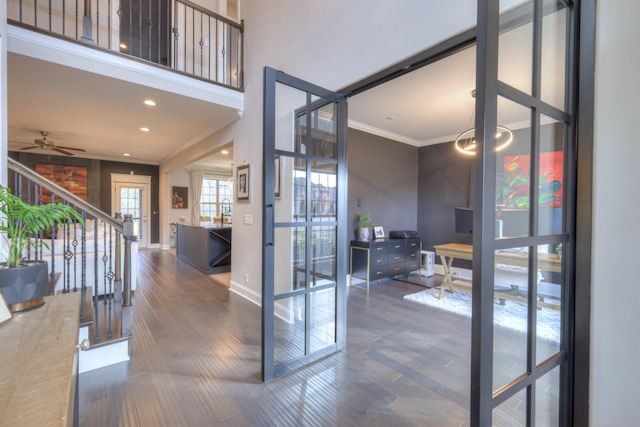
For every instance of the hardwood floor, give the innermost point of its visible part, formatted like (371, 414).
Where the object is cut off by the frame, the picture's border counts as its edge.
(196, 362)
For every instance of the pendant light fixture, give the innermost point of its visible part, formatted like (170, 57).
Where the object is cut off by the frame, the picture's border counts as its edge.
(466, 141)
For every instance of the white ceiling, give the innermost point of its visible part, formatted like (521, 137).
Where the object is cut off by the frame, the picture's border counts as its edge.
(100, 114)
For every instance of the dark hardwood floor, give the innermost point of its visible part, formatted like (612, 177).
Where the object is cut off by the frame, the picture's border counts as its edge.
(196, 362)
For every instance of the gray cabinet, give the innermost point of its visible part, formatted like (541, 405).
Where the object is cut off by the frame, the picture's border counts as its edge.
(206, 248)
(379, 259)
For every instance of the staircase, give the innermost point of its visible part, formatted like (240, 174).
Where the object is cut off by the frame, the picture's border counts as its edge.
(93, 258)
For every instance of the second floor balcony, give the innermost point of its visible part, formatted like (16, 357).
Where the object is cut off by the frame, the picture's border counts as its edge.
(175, 34)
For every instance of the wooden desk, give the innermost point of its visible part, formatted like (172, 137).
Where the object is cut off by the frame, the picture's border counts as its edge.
(39, 364)
(449, 252)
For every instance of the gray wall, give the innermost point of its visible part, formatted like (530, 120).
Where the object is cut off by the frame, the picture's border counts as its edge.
(444, 183)
(383, 177)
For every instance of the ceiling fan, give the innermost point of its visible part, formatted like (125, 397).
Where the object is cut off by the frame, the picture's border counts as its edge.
(45, 144)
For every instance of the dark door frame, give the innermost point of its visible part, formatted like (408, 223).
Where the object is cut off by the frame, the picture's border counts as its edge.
(576, 405)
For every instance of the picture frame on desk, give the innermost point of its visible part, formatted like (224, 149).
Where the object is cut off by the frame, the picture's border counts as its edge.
(378, 232)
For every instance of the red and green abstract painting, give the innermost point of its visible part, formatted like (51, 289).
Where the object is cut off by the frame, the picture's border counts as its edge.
(513, 188)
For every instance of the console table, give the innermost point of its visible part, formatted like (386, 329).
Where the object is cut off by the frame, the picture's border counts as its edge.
(379, 259)
(39, 363)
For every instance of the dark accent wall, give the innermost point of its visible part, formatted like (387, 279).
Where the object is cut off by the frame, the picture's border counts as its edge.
(444, 183)
(93, 170)
(99, 180)
(383, 178)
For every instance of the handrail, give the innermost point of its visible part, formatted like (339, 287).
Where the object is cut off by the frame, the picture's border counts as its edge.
(52, 186)
(211, 14)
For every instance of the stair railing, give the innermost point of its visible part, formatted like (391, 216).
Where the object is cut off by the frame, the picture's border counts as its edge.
(73, 246)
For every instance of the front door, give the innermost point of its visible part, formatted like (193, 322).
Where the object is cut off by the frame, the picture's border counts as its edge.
(304, 255)
(131, 195)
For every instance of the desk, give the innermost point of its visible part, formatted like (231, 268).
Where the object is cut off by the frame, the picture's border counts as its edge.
(451, 251)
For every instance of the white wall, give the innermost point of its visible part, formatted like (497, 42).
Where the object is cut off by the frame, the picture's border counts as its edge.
(180, 178)
(331, 43)
(615, 339)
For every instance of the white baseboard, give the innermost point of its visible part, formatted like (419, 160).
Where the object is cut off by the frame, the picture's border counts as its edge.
(246, 293)
(101, 357)
(281, 311)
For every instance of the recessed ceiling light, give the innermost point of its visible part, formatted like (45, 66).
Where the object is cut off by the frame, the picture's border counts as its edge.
(390, 118)
(224, 152)
(144, 129)
(126, 154)
(150, 102)
(123, 46)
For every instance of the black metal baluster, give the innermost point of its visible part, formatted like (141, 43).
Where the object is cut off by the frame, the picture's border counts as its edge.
(83, 265)
(110, 278)
(75, 255)
(95, 278)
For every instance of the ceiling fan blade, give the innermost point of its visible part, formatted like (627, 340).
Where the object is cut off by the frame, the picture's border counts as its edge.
(62, 151)
(30, 148)
(71, 148)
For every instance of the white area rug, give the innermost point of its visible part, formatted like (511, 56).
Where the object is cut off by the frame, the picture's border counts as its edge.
(511, 315)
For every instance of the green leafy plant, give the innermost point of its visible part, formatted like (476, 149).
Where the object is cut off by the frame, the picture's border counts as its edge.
(363, 220)
(19, 221)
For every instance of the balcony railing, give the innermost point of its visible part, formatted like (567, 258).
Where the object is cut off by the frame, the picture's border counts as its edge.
(176, 34)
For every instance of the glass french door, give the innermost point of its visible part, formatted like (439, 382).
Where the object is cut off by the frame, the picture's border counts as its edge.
(304, 255)
(523, 212)
(132, 199)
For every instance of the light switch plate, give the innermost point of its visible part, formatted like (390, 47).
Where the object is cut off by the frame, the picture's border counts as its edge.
(248, 219)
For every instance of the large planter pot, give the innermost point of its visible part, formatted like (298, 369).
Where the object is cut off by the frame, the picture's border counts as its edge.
(24, 287)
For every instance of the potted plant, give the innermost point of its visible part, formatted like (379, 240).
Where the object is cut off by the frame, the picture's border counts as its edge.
(23, 283)
(363, 226)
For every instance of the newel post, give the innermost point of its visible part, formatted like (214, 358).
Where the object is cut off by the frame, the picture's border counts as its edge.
(127, 233)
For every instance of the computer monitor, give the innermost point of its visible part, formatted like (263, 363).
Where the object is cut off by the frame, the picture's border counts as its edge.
(464, 220)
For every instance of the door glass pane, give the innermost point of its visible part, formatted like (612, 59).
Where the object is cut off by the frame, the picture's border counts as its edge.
(512, 412)
(513, 168)
(515, 49)
(291, 204)
(131, 203)
(548, 319)
(322, 318)
(289, 260)
(554, 49)
(551, 173)
(323, 131)
(323, 269)
(510, 315)
(288, 102)
(323, 191)
(289, 329)
(548, 399)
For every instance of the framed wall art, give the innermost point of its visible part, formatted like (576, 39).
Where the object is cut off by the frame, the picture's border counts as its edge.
(243, 182)
(72, 178)
(180, 197)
